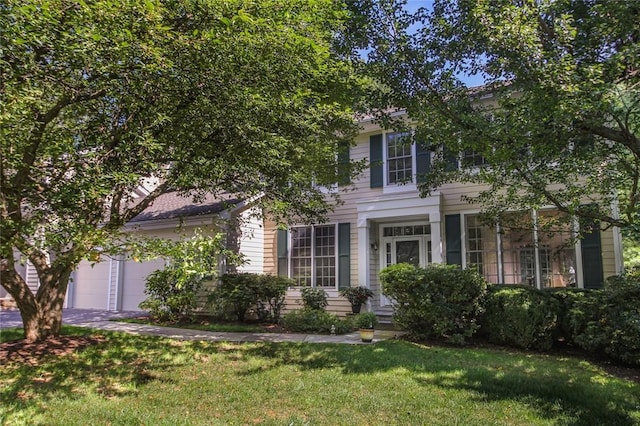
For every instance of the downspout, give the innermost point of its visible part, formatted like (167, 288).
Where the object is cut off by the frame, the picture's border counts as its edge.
(110, 283)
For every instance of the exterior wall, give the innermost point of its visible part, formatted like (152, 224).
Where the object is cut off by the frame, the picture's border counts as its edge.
(608, 253)
(252, 242)
(451, 202)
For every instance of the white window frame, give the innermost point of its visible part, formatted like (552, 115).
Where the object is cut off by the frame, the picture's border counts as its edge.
(313, 255)
(389, 188)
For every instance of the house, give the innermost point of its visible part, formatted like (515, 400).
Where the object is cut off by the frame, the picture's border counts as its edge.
(117, 283)
(384, 221)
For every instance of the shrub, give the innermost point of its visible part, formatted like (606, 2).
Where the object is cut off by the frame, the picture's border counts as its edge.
(365, 320)
(577, 308)
(237, 292)
(271, 294)
(437, 301)
(608, 321)
(240, 292)
(309, 320)
(520, 316)
(314, 298)
(170, 295)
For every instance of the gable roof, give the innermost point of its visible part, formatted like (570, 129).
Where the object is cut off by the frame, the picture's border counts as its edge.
(172, 205)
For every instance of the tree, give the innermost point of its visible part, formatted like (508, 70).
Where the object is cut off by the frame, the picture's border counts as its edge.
(558, 121)
(200, 96)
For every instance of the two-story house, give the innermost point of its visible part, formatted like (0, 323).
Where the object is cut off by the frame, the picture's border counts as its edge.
(384, 221)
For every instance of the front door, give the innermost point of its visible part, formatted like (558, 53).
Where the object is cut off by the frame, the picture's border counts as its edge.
(411, 249)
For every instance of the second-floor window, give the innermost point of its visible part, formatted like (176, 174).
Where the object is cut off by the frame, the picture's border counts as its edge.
(397, 164)
(471, 158)
(399, 158)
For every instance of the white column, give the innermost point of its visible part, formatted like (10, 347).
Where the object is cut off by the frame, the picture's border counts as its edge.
(363, 253)
(436, 236)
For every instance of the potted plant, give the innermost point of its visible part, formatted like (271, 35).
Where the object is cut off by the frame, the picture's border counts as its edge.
(366, 323)
(356, 296)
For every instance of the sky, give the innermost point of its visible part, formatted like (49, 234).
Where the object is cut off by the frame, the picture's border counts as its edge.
(469, 80)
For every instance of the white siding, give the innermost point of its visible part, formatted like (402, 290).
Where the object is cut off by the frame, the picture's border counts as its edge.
(252, 242)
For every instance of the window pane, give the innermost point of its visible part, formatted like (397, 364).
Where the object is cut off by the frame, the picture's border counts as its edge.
(325, 259)
(301, 255)
(517, 248)
(399, 158)
(481, 250)
(557, 254)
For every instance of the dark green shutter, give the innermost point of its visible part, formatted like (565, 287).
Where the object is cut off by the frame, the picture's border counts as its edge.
(423, 162)
(344, 255)
(343, 164)
(453, 239)
(375, 157)
(283, 252)
(592, 257)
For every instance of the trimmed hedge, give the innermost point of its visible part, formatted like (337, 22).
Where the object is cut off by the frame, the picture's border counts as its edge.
(310, 320)
(520, 316)
(437, 301)
(605, 321)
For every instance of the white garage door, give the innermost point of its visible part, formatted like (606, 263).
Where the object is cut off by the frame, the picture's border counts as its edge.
(133, 282)
(91, 285)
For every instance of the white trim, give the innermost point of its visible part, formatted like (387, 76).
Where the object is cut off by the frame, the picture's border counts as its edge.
(119, 275)
(536, 249)
(364, 261)
(398, 207)
(109, 283)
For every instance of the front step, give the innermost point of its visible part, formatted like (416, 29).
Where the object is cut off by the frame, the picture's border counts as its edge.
(385, 315)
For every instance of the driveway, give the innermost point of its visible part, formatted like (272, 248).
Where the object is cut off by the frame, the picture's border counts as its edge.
(10, 318)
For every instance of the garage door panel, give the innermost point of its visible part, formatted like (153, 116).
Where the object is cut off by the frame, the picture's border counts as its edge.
(133, 282)
(91, 285)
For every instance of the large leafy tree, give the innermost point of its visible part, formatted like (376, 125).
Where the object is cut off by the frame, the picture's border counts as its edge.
(199, 96)
(558, 121)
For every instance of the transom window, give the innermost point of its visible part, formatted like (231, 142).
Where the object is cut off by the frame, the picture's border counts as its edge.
(399, 159)
(313, 256)
(399, 231)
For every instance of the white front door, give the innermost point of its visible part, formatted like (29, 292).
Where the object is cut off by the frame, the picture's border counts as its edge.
(412, 249)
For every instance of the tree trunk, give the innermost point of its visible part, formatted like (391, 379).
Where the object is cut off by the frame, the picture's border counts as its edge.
(41, 313)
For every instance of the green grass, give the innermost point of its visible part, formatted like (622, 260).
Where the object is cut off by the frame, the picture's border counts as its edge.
(219, 327)
(135, 380)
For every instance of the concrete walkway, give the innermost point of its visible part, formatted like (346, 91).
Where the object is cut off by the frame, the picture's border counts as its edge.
(104, 320)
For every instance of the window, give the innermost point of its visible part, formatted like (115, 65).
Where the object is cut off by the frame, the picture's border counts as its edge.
(543, 232)
(471, 158)
(399, 159)
(481, 248)
(536, 249)
(313, 256)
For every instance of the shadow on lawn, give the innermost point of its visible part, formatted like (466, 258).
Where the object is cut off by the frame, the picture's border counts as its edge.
(556, 387)
(112, 368)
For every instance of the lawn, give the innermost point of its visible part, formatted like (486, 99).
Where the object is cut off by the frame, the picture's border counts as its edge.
(203, 325)
(146, 380)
